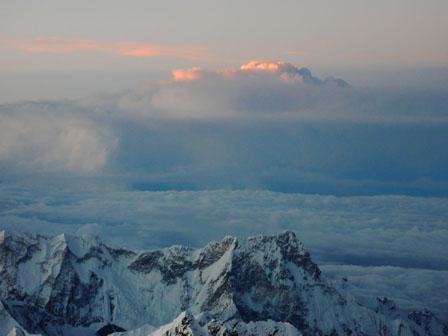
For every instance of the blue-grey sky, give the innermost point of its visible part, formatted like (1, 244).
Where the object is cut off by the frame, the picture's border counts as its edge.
(80, 46)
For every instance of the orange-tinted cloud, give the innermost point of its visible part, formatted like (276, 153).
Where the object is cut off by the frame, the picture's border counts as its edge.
(261, 65)
(186, 74)
(253, 65)
(283, 70)
(122, 48)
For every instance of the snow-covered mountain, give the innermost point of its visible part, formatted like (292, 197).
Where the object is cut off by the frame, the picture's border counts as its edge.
(266, 285)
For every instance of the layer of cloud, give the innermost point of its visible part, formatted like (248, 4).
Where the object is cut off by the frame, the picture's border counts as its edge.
(387, 230)
(393, 246)
(267, 89)
(121, 48)
(186, 74)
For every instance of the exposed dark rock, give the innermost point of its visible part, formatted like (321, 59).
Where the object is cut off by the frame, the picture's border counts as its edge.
(119, 252)
(146, 262)
(213, 252)
(109, 329)
(258, 279)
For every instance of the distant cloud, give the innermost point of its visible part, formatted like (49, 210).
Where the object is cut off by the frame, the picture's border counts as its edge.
(254, 68)
(367, 231)
(186, 74)
(121, 48)
(33, 139)
(265, 124)
(256, 89)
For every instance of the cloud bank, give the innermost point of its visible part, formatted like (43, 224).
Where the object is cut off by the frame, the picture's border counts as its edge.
(256, 89)
(383, 245)
(264, 125)
(279, 90)
(36, 139)
(369, 231)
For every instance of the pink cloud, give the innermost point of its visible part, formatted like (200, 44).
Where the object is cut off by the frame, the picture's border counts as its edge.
(262, 65)
(283, 70)
(186, 74)
(122, 48)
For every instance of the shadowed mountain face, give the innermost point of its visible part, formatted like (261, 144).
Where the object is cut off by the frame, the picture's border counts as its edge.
(263, 285)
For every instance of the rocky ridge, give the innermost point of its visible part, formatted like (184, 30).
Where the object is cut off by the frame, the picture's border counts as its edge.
(266, 285)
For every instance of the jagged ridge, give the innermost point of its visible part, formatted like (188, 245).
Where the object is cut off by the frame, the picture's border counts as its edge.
(51, 284)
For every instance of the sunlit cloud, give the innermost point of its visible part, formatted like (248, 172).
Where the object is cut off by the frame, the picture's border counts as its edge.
(186, 74)
(261, 65)
(121, 48)
(284, 71)
(39, 140)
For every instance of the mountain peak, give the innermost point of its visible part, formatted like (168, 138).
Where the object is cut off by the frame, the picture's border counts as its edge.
(288, 237)
(260, 285)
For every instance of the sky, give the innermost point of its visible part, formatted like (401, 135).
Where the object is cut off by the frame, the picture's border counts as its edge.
(76, 47)
(153, 123)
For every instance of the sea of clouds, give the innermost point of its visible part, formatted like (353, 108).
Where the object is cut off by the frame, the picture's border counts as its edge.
(391, 246)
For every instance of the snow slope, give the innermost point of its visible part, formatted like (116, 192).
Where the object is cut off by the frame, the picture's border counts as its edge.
(262, 285)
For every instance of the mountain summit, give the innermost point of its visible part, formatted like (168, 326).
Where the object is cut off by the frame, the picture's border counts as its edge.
(266, 285)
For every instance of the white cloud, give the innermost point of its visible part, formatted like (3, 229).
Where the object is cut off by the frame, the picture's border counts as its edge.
(261, 90)
(257, 88)
(379, 230)
(37, 140)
